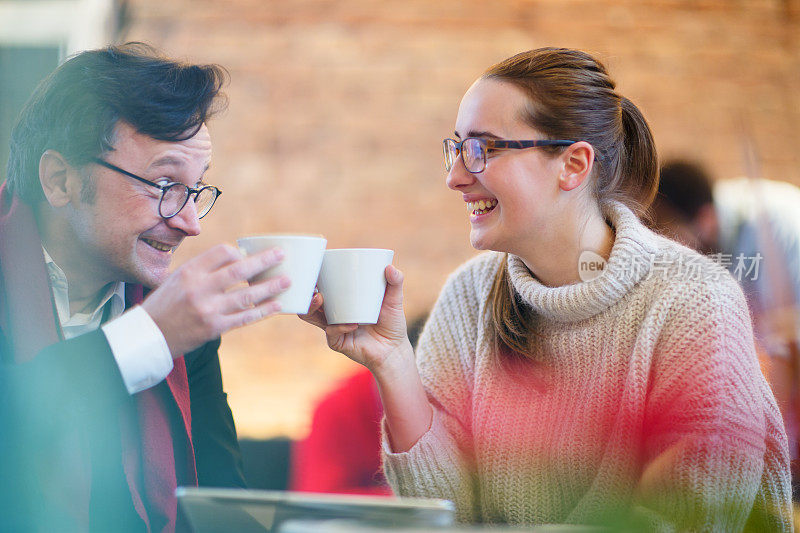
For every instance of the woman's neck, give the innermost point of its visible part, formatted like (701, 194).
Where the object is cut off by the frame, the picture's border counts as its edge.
(555, 259)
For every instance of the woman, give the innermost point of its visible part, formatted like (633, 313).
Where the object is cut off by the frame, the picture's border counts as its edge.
(542, 396)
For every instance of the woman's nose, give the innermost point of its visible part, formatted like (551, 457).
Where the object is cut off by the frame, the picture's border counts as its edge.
(459, 176)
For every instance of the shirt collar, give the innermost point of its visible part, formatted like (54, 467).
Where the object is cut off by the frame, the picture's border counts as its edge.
(115, 293)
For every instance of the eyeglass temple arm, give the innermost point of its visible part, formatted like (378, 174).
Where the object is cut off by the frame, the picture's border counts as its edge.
(115, 168)
(500, 144)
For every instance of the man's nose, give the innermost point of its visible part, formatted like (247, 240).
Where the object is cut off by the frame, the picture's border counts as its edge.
(186, 220)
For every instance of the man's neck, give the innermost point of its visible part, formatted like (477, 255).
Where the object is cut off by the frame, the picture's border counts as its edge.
(84, 284)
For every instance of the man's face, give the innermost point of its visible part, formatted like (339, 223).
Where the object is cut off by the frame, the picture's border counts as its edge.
(119, 233)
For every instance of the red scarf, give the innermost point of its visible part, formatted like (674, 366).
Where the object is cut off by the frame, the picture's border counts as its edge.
(29, 322)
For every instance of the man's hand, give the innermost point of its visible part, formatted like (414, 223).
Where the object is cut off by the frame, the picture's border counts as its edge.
(204, 298)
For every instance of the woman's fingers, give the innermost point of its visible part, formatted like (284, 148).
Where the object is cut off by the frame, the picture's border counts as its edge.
(340, 338)
(338, 330)
(316, 303)
(393, 299)
(315, 314)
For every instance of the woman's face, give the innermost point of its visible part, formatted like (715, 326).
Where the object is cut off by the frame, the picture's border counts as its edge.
(521, 187)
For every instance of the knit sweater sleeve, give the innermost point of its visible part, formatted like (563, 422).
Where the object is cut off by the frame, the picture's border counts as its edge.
(439, 465)
(715, 452)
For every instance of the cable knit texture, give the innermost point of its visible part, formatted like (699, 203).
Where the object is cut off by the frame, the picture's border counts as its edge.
(645, 404)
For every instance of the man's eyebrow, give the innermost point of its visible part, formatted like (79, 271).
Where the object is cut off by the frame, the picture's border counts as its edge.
(166, 161)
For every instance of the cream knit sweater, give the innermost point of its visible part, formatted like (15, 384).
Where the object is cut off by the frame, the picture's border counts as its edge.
(647, 399)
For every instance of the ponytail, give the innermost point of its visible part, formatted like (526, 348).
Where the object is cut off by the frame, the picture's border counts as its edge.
(639, 158)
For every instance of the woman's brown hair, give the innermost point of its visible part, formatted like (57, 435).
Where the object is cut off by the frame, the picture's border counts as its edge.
(571, 96)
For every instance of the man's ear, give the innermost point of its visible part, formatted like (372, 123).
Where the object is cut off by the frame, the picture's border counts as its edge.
(578, 159)
(60, 182)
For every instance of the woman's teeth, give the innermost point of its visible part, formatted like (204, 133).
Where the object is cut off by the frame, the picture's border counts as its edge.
(481, 207)
(158, 245)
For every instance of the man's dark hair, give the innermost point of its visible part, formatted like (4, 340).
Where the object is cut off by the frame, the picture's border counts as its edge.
(74, 110)
(685, 186)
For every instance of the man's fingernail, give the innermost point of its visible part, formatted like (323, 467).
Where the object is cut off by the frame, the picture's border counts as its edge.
(279, 253)
(285, 282)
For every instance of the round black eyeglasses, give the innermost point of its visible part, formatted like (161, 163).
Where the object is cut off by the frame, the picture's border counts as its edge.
(473, 150)
(174, 196)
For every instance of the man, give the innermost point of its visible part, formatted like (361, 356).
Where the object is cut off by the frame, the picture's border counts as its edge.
(752, 227)
(111, 387)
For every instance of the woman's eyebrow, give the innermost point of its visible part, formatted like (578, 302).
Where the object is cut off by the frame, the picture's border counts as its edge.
(474, 133)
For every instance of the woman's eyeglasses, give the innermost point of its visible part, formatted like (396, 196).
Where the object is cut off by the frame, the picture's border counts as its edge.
(473, 150)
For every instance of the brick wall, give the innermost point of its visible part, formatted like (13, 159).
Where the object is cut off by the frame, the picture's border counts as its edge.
(337, 109)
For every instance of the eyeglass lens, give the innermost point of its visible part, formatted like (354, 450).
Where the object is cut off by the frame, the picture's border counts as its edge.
(472, 153)
(176, 195)
(449, 153)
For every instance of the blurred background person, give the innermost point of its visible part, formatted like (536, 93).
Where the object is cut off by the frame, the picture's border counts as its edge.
(752, 227)
(537, 395)
(342, 452)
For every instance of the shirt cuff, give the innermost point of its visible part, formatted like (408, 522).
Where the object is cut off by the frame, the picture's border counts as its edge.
(140, 349)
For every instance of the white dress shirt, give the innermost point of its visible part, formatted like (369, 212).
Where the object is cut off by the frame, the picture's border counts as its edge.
(138, 345)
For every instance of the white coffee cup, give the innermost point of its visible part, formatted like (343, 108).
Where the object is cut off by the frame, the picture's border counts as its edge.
(301, 264)
(352, 282)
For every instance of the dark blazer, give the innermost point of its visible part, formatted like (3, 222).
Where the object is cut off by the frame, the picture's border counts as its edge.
(77, 384)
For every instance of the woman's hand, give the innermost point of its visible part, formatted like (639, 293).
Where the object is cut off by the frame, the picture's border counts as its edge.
(385, 350)
(372, 345)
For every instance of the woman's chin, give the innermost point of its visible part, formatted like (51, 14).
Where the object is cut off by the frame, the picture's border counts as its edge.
(479, 241)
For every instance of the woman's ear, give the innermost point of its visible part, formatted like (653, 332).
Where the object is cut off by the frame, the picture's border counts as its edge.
(58, 179)
(578, 159)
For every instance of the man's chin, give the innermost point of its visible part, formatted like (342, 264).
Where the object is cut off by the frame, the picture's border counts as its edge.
(150, 280)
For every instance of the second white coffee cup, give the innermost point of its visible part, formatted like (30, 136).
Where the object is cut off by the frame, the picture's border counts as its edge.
(352, 282)
(301, 264)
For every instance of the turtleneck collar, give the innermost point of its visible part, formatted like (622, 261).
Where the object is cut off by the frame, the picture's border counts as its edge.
(631, 256)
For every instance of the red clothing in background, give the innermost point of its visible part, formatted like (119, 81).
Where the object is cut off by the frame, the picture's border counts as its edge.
(342, 452)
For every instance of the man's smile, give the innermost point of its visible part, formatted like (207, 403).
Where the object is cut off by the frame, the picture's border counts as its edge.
(160, 246)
